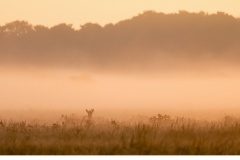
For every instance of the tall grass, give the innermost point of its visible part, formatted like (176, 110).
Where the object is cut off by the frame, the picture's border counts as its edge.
(74, 136)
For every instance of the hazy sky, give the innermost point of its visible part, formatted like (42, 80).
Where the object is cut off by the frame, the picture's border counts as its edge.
(79, 12)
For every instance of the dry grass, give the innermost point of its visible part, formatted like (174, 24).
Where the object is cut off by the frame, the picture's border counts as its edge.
(72, 136)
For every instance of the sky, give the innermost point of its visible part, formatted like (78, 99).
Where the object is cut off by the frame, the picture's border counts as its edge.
(79, 12)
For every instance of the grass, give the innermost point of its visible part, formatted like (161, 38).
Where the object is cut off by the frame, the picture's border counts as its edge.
(72, 136)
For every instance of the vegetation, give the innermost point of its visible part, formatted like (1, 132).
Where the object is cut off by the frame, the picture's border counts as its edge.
(148, 38)
(159, 135)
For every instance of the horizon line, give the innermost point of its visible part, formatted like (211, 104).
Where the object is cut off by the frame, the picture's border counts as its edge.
(140, 13)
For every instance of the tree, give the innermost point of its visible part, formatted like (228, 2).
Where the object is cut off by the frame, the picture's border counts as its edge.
(17, 28)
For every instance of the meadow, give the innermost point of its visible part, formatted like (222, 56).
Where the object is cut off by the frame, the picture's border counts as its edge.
(156, 135)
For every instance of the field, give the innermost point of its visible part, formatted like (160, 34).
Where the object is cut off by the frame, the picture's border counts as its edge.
(157, 135)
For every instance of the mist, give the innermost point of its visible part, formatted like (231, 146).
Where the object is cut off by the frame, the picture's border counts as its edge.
(54, 92)
(183, 64)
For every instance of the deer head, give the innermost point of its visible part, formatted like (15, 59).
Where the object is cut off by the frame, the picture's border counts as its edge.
(90, 112)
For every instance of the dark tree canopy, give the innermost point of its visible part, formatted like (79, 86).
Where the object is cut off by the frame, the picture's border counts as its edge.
(147, 38)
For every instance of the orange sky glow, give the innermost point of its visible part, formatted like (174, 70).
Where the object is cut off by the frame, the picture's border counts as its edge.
(79, 12)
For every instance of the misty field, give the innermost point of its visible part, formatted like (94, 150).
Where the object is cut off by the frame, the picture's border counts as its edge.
(159, 135)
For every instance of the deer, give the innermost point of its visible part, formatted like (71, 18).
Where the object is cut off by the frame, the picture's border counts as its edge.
(90, 112)
(89, 118)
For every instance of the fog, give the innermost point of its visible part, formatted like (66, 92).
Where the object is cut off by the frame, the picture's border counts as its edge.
(39, 93)
(183, 64)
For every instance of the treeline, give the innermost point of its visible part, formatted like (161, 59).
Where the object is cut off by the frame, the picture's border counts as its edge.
(149, 38)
